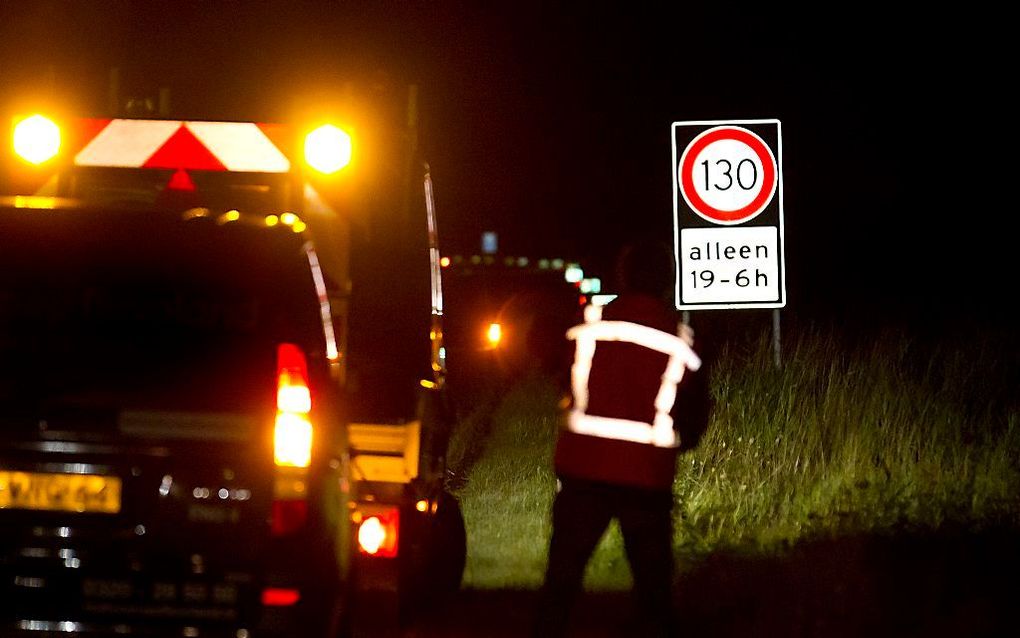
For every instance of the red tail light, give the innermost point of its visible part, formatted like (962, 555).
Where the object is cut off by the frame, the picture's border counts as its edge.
(378, 532)
(292, 441)
(292, 436)
(278, 597)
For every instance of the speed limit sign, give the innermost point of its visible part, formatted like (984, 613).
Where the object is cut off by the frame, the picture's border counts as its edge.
(727, 175)
(728, 214)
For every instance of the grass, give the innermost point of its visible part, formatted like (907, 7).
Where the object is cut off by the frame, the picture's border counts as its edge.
(507, 495)
(850, 435)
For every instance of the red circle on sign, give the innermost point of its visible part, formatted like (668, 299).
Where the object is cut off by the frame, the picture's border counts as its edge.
(706, 210)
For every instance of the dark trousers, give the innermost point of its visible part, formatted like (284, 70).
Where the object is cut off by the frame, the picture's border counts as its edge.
(581, 513)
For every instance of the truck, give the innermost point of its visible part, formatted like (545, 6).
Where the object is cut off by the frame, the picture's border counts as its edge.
(224, 404)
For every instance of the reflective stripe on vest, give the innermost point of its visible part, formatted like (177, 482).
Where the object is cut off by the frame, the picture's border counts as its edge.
(681, 357)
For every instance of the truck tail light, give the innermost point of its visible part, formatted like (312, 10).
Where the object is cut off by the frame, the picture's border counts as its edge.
(292, 441)
(279, 597)
(292, 434)
(378, 532)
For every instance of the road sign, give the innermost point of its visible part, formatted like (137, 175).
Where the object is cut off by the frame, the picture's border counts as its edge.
(728, 214)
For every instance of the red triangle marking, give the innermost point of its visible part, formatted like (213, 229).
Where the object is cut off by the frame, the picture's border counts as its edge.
(183, 150)
(181, 181)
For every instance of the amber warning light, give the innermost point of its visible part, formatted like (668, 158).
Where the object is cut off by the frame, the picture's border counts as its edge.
(328, 149)
(36, 139)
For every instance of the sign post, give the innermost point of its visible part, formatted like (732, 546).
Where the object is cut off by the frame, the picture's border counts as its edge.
(728, 215)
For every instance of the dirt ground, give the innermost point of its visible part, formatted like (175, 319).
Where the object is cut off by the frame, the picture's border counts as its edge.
(932, 585)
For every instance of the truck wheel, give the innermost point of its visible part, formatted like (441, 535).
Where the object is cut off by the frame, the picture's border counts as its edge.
(449, 538)
(437, 568)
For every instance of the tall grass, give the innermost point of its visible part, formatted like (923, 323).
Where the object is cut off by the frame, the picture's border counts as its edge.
(507, 492)
(853, 436)
(849, 435)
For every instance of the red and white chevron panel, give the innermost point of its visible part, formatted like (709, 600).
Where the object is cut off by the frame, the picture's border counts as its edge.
(210, 146)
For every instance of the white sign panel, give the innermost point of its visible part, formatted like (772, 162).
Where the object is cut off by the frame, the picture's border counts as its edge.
(728, 214)
(722, 264)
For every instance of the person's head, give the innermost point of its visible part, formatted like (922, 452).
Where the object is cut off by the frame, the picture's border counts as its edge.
(646, 265)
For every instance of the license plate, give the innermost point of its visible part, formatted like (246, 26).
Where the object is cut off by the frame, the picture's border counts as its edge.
(59, 492)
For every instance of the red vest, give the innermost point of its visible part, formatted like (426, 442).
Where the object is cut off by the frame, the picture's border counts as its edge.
(627, 365)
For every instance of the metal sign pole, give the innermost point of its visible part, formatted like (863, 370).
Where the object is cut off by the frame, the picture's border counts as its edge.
(775, 337)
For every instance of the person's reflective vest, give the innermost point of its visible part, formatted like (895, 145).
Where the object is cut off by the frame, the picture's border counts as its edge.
(627, 436)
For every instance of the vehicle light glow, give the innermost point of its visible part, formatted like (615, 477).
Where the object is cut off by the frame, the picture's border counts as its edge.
(193, 213)
(494, 334)
(36, 202)
(292, 440)
(292, 394)
(292, 435)
(279, 597)
(328, 149)
(573, 274)
(377, 534)
(591, 285)
(36, 139)
(371, 535)
(229, 216)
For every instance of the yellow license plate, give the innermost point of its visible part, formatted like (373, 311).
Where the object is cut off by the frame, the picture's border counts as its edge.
(59, 492)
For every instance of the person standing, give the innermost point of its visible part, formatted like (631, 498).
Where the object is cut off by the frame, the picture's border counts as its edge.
(636, 401)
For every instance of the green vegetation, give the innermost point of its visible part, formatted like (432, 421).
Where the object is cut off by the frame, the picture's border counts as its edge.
(876, 435)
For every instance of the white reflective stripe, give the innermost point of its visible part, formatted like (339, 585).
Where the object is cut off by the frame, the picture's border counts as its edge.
(619, 429)
(240, 146)
(663, 434)
(660, 432)
(670, 378)
(325, 313)
(434, 259)
(126, 143)
(641, 335)
(579, 372)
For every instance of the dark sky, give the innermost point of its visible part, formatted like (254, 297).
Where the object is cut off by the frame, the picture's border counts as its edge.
(550, 122)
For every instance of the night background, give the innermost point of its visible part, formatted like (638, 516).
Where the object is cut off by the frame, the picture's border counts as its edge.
(549, 123)
(874, 480)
